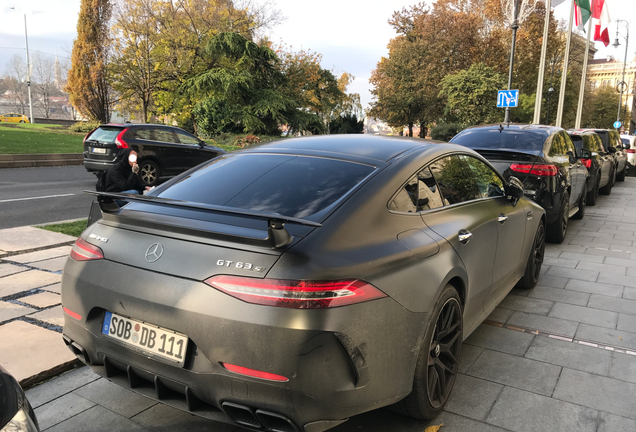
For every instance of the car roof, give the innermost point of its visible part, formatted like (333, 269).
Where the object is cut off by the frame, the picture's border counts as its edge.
(356, 147)
(545, 129)
(580, 131)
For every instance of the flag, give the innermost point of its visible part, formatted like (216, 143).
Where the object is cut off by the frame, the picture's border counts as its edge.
(582, 12)
(601, 21)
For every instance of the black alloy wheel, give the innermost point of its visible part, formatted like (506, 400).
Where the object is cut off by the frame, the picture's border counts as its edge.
(438, 360)
(555, 232)
(443, 353)
(592, 196)
(535, 260)
(149, 172)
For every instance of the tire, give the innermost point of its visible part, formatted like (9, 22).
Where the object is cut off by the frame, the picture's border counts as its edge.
(582, 204)
(439, 355)
(535, 260)
(593, 195)
(607, 189)
(149, 172)
(21, 121)
(621, 175)
(555, 232)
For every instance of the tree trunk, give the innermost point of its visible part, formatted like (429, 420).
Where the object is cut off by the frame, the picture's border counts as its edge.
(411, 129)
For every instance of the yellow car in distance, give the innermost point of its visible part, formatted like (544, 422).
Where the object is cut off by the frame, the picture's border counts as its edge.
(13, 118)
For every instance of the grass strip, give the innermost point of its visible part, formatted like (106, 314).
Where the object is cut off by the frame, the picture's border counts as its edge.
(70, 228)
(37, 139)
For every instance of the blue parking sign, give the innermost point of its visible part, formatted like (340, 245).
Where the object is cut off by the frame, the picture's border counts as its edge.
(617, 124)
(507, 98)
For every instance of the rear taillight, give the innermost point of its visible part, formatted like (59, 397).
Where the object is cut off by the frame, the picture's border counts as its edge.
(536, 169)
(586, 162)
(294, 293)
(84, 251)
(630, 151)
(120, 139)
(87, 135)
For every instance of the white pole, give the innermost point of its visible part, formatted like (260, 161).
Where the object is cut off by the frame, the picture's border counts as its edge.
(564, 73)
(28, 70)
(579, 109)
(544, 50)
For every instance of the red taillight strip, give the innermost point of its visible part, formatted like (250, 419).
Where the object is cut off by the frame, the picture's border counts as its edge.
(630, 151)
(296, 293)
(120, 139)
(254, 373)
(84, 251)
(586, 162)
(72, 314)
(536, 169)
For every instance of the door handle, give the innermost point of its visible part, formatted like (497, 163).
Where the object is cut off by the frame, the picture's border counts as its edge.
(529, 215)
(502, 218)
(464, 236)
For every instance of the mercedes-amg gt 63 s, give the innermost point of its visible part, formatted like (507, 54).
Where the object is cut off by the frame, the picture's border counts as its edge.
(289, 286)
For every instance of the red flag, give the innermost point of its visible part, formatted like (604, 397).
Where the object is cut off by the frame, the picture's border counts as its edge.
(601, 18)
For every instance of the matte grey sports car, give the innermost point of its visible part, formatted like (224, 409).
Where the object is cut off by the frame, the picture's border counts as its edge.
(292, 285)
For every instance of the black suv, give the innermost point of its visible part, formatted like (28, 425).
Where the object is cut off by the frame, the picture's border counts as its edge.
(162, 151)
(600, 164)
(544, 159)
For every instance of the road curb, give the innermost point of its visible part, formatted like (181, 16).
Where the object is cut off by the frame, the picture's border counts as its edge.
(51, 373)
(40, 160)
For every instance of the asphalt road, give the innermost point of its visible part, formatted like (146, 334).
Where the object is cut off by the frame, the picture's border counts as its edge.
(31, 196)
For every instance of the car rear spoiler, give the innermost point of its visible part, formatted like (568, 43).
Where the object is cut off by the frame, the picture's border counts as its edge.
(277, 234)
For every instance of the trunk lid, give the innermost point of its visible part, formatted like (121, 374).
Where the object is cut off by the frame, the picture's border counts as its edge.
(502, 160)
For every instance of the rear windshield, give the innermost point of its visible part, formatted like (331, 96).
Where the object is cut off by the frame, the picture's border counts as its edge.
(513, 139)
(105, 134)
(625, 140)
(295, 186)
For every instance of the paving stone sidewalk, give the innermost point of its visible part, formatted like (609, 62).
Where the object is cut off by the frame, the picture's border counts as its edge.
(559, 357)
(31, 262)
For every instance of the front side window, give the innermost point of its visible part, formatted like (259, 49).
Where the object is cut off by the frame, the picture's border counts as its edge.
(142, 134)
(184, 138)
(165, 136)
(454, 179)
(488, 181)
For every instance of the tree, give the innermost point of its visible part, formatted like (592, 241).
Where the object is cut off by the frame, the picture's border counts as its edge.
(600, 108)
(43, 81)
(346, 124)
(243, 93)
(87, 83)
(471, 94)
(16, 71)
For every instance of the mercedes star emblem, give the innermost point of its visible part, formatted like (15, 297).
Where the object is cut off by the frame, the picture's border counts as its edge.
(154, 252)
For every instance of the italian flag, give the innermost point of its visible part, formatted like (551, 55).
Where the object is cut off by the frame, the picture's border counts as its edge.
(582, 13)
(601, 17)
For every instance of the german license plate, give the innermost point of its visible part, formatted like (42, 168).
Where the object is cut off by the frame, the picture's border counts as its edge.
(98, 150)
(158, 341)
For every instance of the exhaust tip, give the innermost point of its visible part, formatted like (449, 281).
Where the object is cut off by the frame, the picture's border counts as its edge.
(241, 414)
(77, 349)
(275, 422)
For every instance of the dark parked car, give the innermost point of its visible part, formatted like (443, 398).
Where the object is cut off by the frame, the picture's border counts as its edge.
(16, 414)
(291, 286)
(161, 150)
(544, 159)
(612, 144)
(600, 165)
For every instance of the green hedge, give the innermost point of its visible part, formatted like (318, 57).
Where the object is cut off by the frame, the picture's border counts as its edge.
(445, 132)
(84, 127)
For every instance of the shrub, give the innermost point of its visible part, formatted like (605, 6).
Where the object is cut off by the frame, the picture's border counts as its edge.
(245, 141)
(445, 132)
(85, 127)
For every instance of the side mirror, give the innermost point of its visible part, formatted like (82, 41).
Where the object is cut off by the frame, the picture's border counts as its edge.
(514, 189)
(612, 150)
(572, 157)
(626, 146)
(586, 154)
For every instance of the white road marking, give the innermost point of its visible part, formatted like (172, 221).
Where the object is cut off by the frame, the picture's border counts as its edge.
(34, 198)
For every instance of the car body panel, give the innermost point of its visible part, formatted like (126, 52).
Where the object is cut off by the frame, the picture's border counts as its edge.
(338, 361)
(630, 140)
(13, 118)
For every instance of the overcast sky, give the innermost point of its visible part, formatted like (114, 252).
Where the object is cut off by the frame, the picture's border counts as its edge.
(351, 35)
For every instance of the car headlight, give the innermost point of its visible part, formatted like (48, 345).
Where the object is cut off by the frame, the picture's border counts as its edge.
(21, 422)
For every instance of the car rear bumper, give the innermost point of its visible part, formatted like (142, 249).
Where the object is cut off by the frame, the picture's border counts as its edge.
(92, 164)
(339, 362)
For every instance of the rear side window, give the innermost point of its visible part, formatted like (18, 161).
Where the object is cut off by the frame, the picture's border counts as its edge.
(513, 139)
(625, 140)
(163, 135)
(455, 180)
(296, 186)
(184, 138)
(420, 193)
(143, 134)
(489, 183)
(604, 139)
(105, 134)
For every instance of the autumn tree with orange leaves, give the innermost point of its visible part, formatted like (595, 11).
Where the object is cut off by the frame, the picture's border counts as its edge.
(87, 83)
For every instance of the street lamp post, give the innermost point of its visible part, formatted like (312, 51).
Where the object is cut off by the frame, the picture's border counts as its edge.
(26, 39)
(616, 44)
(514, 26)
